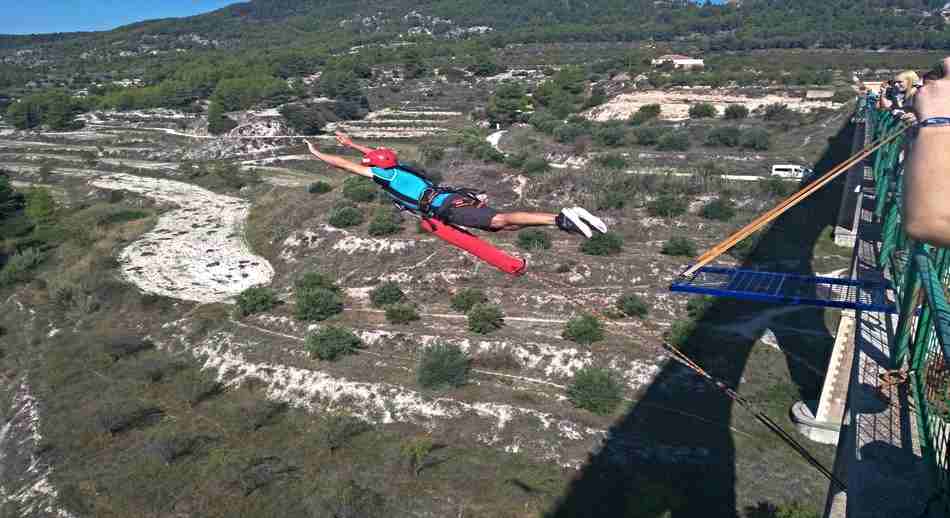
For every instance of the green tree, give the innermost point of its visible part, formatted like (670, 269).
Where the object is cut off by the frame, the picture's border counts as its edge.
(443, 366)
(736, 111)
(597, 390)
(40, 205)
(331, 342)
(702, 111)
(584, 329)
(757, 139)
(218, 122)
(508, 104)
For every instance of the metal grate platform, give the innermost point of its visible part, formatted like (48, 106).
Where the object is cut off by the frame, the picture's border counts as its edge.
(786, 288)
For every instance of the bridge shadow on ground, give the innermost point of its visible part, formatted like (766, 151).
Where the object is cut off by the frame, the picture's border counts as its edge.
(659, 462)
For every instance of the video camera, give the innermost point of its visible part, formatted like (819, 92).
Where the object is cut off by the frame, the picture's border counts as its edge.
(896, 93)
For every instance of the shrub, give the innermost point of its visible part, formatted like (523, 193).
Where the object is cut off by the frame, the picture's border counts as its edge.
(696, 307)
(337, 429)
(736, 111)
(603, 244)
(648, 136)
(702, 111)
(609, 134)
(331, 342)
(679, 246)
(757, 139)
(745, 248)
(728, 137)
(386, 294)
(644, 114)
(680, 333)
(415, 451)
(255, 300)
(668, 206)
(442, 366)
(611, 161)
(721, 209)
(466, 299)
(535, 166)
(40, 205)
(778, 112)
(401, 313)
(497, 360)
(359, 189)
(319, 188)
(516, 161)
(596, 390)
(566, 133)
(194, 386)
(775, 186)
(343, 217)
(431, 153)
(484, 318)
(533, 239)
(632, 305)
(384, 223)
(122, 416)
(674, 141)
(314, 280)
(584, 329)
(18, 267)
(318, 304)
(347, 499)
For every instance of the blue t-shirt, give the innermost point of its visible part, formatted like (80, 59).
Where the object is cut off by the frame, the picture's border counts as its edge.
(406, 184)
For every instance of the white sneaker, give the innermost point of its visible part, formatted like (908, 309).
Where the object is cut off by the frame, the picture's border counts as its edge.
(592, 220)
(569, 220)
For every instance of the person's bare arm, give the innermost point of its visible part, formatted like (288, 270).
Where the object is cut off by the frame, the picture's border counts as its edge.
(346, 141)
(340, 162)
(927, 173)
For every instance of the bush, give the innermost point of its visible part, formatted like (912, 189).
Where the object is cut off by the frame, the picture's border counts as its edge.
(347, 499)
(702, 111)
(603, 244)
(668, 206)
(415, 451)
(343, 217)
(736, 112)
(632, 305)
(644, 114)
(757, 139)
(386, 294)
(122, 416)
(331, 342)
(484, 318)
(318, 304)
(431, 153)
(727, 137)
(680, 333)
(609, 134)
(442, 366)
(566, 133)
(533, 239)
(775, 186)
(611, 161)
(401, 314)
(466, 299)
(384, 223)
(674, 141)
(596, 390)
(337, 429)
(697, 306)
(648, 136)
(18, 267)
(584, 329)
(679, 246)
(359, 189)
(255, 300)
(720, 209)
(319, 188)
(535, 166)
(778, 112)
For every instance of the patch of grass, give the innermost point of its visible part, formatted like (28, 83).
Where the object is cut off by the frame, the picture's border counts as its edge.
(359, 190)
(255, 300)
(596, 390)
(194, 387)
(415, 451)
(584, 329)
(401, 314)
(467, 298)
(668, 206)
(611, 161)
(680, 333)
(337, 429)
(534, 239)
(20, 266)
(720, 209)
(319, 187)
(679, 246)
(384, 223)
(483, 318)
(344, 217)
(632, 305)
(123, 216)
(603, 244)
(118, 416)
(386, 294)
(497, 360)
(443, 366)
(331, 342)
(696, 307)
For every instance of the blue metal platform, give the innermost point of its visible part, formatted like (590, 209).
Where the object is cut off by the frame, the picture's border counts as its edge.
(786, 288)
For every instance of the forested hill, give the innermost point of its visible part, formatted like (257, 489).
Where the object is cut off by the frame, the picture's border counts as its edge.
(756, 24)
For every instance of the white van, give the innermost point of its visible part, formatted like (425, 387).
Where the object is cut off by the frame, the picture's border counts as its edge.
(796, 172)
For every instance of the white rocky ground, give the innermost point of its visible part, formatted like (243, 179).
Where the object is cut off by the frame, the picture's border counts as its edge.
(196, 251)
(675, 103)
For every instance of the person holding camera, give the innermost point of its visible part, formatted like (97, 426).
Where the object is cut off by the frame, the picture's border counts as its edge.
(926, 176)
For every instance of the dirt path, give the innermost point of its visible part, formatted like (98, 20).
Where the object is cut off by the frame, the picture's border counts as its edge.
(197, 250)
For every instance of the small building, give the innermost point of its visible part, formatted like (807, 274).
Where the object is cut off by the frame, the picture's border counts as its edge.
(678, 61)
(819, 95)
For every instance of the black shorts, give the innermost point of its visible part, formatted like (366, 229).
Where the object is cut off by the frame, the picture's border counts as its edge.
(466, 215)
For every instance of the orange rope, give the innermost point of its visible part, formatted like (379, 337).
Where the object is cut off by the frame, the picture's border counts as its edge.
(788, 203)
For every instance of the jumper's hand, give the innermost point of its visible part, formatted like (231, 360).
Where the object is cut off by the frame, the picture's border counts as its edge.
(344, 139)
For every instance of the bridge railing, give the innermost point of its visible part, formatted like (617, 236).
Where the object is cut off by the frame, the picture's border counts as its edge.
(921, 277)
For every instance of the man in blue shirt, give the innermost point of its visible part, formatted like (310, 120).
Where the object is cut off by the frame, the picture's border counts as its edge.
(462, 207)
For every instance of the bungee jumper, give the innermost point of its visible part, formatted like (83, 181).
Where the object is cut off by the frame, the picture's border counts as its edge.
(447, 211)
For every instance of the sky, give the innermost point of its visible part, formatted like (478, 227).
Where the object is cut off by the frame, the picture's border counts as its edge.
(40, 16)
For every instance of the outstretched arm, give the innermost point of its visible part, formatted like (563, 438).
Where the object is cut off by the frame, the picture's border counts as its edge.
(340, 162)
(927, 178)
(346, 141)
